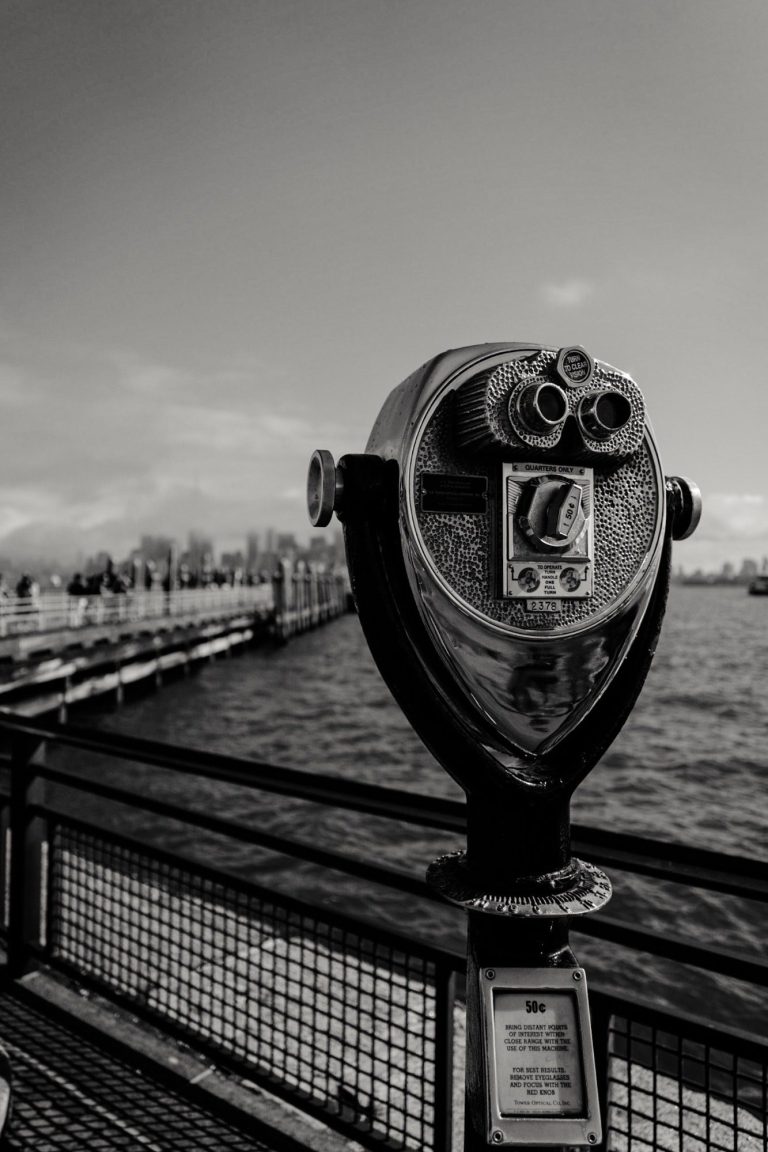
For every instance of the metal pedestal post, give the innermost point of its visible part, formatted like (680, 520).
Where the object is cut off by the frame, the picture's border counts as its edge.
(520, 887)
(494, 942)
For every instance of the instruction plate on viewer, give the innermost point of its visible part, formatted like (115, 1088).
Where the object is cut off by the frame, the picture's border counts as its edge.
(539, 1057)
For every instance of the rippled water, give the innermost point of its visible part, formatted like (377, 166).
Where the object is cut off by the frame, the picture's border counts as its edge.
(690, 765)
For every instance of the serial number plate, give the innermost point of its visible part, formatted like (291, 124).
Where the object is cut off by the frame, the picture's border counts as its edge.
(552, 607)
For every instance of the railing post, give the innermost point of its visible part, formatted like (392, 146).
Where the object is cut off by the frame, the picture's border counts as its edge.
(600, 1014)
(283, 589)
(445, 997)
(28, 833)
(298, 602)
(314, 599)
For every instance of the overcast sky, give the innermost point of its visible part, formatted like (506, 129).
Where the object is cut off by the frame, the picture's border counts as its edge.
(230, 227)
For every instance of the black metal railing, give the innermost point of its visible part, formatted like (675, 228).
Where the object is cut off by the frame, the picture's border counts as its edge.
(352, 1020)
(336, 1014)
(675, 1083)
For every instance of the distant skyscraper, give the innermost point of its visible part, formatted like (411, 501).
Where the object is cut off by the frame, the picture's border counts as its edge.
(748, 569)
(98, 563)
(233, 561)
(252, 551)
(200, 553)
(320, 551)
(155, 548)
(286, 544)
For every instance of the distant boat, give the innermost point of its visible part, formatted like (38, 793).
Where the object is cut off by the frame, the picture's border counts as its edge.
(759, 586)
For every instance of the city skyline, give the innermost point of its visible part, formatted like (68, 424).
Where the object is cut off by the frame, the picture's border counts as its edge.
(273, 541)
(230, 230)
(195, 544)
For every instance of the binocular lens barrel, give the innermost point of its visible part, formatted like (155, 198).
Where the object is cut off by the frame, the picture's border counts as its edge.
(604, 413)
(542, 407)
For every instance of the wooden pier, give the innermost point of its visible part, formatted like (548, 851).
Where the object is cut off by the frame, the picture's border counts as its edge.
(59, 650)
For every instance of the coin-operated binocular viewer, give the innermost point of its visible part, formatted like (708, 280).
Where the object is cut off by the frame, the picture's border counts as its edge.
(508, 533)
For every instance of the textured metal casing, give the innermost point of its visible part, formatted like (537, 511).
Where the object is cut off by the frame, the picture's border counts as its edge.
(533, 674)
(487, 415)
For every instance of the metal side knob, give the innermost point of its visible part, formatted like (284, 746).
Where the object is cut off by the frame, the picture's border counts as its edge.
(325, 488)
(686, 506)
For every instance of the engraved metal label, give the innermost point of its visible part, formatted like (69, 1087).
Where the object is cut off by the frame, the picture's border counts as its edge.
(539, 1059)
(552, 607)
(588, 890)
(574, 365)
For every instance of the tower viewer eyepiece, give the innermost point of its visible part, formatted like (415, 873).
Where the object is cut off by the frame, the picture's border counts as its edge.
(603, 413)
(542, 406)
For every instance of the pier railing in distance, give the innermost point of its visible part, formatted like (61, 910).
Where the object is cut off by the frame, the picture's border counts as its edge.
(349, 1019)
(297, 596)
(53, 611)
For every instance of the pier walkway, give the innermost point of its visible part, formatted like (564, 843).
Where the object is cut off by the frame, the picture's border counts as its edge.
(74, 1089)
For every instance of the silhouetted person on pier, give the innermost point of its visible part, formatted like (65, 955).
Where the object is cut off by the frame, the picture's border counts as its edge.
(76, 586)
(111, 580)
(24, 587)
(77, 589)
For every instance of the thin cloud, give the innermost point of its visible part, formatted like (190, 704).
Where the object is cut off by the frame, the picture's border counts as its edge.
(734, 516)
(294, 494)
(144, 446)
(567, 293)
(13, 389)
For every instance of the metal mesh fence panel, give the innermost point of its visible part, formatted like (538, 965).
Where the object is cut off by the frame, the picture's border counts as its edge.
(668, 1093)
(343, 1021)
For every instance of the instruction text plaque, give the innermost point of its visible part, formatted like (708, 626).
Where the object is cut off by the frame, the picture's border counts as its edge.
(538, 1057)
(542, 1083)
